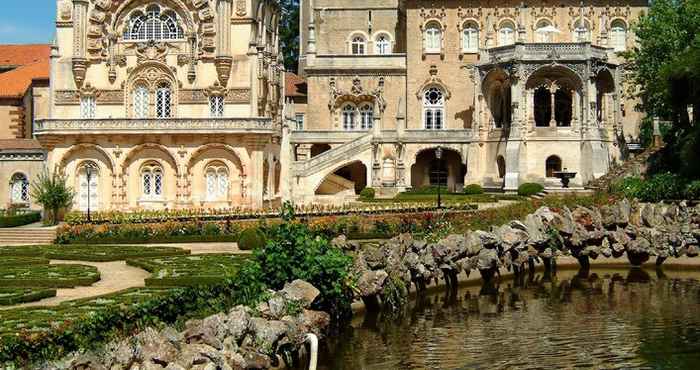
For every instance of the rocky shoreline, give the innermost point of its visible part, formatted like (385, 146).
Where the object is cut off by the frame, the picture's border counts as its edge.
(261, 338)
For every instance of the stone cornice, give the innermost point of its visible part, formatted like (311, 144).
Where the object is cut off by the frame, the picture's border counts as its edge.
(33, 155)
(154, 126)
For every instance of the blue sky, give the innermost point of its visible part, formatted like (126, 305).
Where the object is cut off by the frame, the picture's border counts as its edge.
(27, 21)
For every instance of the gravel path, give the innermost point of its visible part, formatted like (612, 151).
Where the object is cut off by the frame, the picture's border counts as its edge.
(114, 277)
(204, 248)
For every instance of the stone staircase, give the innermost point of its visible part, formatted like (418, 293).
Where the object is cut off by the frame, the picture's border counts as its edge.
(334, 156)
(27, 235)
(632, 167)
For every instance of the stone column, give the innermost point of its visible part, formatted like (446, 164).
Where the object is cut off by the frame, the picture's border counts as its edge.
(514, 143)
(376, 165)
(255, 177)
(224, 60)
(552, 94)
(575, 109)
(286, 154)
(80, 22)
(530, 109)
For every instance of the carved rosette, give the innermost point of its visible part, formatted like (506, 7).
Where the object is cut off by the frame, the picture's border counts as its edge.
(223, 69)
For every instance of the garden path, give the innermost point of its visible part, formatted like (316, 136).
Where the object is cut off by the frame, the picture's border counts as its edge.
(114, 277)
(499, 204)
(205, 248)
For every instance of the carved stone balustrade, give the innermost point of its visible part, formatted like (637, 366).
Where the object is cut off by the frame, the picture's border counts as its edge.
(154, 126)
(545, 52)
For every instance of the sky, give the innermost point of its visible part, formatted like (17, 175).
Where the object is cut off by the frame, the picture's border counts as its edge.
(27, 21)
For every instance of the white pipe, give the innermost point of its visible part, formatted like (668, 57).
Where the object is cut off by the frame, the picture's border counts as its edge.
(313, 340)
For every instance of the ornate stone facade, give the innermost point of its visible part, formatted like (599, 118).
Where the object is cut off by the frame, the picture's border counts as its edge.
(512, 92)
(167, 103)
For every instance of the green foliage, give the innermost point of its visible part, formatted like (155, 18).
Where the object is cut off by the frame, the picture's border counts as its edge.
(428, 190)
(660, 187)
(12, 296)
(630, 187)
(251, 239)
(473, 189)
(164, 232)
(692, 191)
(201, 269)
(93, 253)
(51, 190)
(529, 188)
(289, 34)
(48, 276)
(15, 218)
(395, 294)
(367, 193)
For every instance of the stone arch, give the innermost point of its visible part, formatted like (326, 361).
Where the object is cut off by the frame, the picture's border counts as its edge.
(72, 162)
(238, 153)
(326, 173)
(131, 167)
(556, 92)
(137, 149)
(354, 171)
(236, 165)
(61, 164)
(553, 164)
(451, 165)
(124, 10)
(152, 75)
(497, 93)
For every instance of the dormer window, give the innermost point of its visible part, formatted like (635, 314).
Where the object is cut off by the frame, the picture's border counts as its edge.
(153, 25)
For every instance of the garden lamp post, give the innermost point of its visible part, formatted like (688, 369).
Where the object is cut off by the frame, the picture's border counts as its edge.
(438, 156)
(88, 175)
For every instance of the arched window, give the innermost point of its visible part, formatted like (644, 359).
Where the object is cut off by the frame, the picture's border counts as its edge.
(358, 45)
(154, 25)
(141, 98)
(432, 38)
(216, 177)
(163, 100)
(470, 38)
(19, 189)
(152, 181)
(552, 165)
(216, 106)
(88, 186)
(506, 33)
(544, 31)
(433, 109)
(382, 45)
(582, 31)
(348, 117)
(87, 107)
(366, 117)
(618, 35)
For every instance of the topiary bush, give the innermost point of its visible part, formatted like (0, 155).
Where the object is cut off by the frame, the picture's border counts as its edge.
(473, 189)
(367, 193)
(529, 188)
(692, 190)
(252, 239)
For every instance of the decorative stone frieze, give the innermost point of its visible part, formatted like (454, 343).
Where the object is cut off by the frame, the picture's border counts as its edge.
(200, 96)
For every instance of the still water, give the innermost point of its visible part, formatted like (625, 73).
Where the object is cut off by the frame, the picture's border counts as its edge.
(603, 319)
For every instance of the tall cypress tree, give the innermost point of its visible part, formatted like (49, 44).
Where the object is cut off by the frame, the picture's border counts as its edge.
(289, 34)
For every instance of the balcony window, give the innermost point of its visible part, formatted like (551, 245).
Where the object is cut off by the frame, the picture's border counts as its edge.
(152, 182)
(141, 97)
(358, 45)
(299, 120)
(163, 101)
(382, 45)
(87, 107)
(618, 35)
(432, 38)
(433, 109)
(506, 33)
(216, 106)
(545, 31)
(348, 115)
(153, 25)
(470, 38)
(366, 116)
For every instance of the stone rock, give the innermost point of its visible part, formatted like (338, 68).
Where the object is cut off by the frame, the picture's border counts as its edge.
(210, 331)
(536, 230)
(487, 240)
(301, 291)
(510, 237)
(155, 348)
(237, 323)
(563, 222)
(371, 282)
(268, 333)
(487, 258)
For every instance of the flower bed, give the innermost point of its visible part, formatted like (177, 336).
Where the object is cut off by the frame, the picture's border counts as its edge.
(12, 296)
(189, 270)
(93, 253)
(48, 276)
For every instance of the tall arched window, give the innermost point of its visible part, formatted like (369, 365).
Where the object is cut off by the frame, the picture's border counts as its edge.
(216, 106)
(544, 31)
(433, 109)
(163, 101)
(382, 45)
(366, 117)
(152, 181)
(358, 45)
(470, 38)
(88, 186)
(153, 25)
(582, 31)
(506, 33)
(348, 117)
(19, 189)
(216, 177)
(618, 35)
(141, 98)
(552, 165)
(432, 38)
(87, 107)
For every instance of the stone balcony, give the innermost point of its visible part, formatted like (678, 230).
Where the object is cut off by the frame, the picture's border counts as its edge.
(568, 51)
(58, 127)
(342, 63)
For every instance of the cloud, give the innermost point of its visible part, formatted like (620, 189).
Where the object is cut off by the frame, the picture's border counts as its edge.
(8, 29)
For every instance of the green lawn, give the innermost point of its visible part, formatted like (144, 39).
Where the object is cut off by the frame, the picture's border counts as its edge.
(189, 270)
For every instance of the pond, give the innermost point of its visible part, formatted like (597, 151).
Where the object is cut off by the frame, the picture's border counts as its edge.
(601, 319)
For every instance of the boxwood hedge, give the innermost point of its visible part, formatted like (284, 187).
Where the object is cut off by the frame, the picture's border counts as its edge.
(48, 276)
(12, 296)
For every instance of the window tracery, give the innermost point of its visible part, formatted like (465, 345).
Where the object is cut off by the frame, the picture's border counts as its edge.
(19, 189)
(153, 25)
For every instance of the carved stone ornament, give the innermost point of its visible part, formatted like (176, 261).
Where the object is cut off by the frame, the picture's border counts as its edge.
(89, 91)
(223, 69)
(241, 10)
(79, 69)
(151, 51)
(433, 80)
(433, 13)
(215, 90)
(357, 94)
(65, 11)
(469, 13)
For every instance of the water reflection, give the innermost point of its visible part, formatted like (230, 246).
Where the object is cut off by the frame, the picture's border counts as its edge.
(598, 319)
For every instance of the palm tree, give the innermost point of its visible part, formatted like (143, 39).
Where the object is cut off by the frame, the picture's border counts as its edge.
(51, 190)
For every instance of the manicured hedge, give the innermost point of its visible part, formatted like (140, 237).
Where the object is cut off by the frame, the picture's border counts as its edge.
(473, 189)
(529, 188)
(93, 253)
(12, 296)
(19, 219)
(202, 269)
(145, 240)
(48, 276)
(251, 239)
(6, 260)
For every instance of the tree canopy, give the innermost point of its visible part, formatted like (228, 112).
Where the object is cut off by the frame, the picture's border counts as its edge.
(289, 34)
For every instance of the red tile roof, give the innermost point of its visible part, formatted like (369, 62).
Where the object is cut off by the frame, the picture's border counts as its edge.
(14, 84)
(22, 144)
(294, 85)
(19, 55)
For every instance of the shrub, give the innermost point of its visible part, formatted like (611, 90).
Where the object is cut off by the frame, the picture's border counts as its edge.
(692, 191)
(661, 187)
(473, 189)
(428, 190)
(12, 219)
(629, 186)
(529, 188)
(251, 239)
(367, 193)
(51, 190)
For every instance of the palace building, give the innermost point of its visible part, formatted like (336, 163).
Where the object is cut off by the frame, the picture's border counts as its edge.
(512, 91)
(155, 104)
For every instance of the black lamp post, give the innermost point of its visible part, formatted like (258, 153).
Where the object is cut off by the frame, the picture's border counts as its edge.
(438, 156)
(88, 174)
